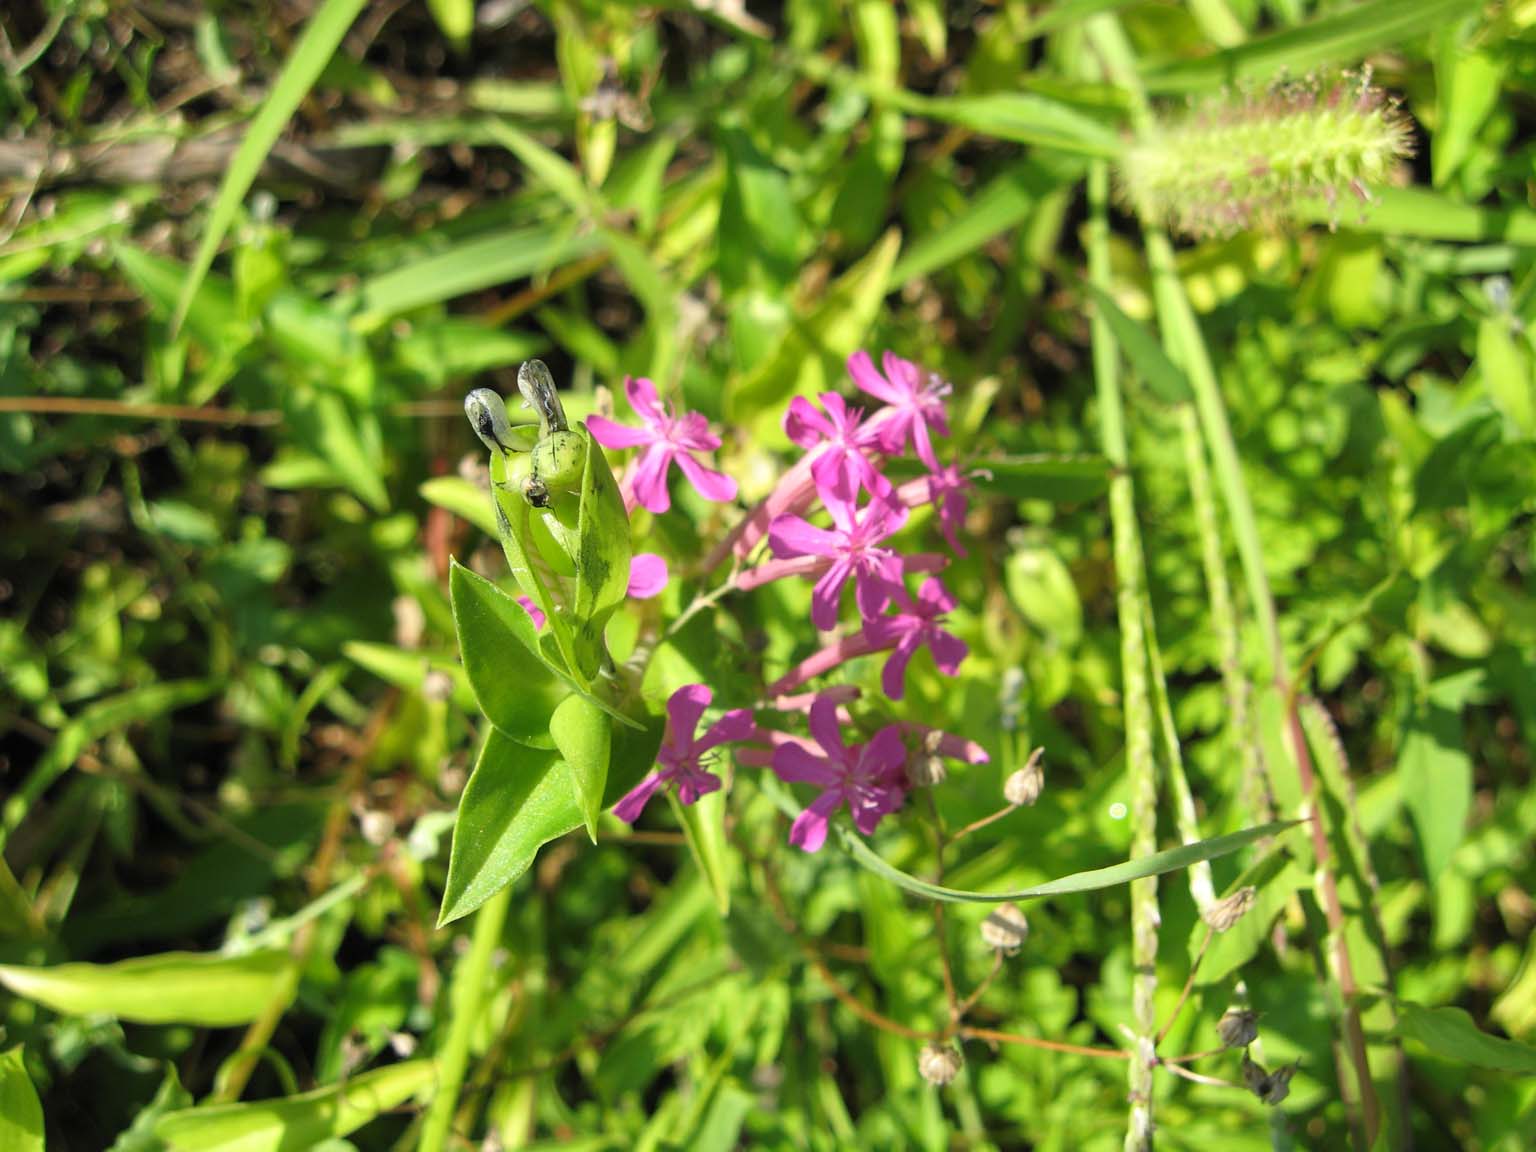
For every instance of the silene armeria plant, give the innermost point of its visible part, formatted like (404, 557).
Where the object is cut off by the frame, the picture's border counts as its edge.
(586, 717)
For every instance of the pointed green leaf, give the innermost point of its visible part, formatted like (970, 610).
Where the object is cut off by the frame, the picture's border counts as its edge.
(1143, 350)
(21, 1113)
(584, 735)
(172, 988)
(1435, 775)
(140, 1135)
(1451, 1034)
(516, 690)
(298, 1122)
(1059, 479)
(517, 800)
(703, 824)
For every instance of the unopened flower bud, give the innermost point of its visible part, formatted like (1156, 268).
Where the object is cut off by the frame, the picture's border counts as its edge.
(939, 1063)
(1270, 1087)
(1237, 1027)
(1005, 929)
(1229, 910)
(1023, 787)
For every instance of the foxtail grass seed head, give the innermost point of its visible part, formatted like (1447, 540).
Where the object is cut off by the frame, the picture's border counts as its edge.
(1250, 159)
(1238, 1027)
(939, 1063)
(1005, 929)
(1230, 909)
(1023, 786)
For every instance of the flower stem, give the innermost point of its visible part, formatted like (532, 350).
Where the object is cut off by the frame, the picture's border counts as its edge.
(1133, 613)
(466, 1008)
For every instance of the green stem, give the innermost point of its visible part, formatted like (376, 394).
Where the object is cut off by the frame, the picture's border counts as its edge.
(467, 1002)
(1133, 612)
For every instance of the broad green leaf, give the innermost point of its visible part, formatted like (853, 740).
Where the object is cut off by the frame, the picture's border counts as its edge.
(1504, 360)
(171, 988)
(1143, 350)
(298, 1123)
(1467, 86)
(1452, 1035)
(583, 733)
(322, 36)
(1059, 479)
(1336, 37)
(516, 690)
(517, 800)
(21, 1113)
(703, 824)
(602, 565)
(1435, 776)
(1006, 202)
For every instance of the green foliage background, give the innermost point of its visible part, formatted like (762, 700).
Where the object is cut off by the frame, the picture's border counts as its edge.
(251, 259)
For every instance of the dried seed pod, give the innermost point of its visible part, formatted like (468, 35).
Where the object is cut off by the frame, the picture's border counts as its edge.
(1238, 1027)
(1270, 1087)
(1230, 909)
(939, 1063)
(1005, 929)
(1024, 786)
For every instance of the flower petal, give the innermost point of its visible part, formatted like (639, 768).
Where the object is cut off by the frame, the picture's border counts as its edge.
(628, 809)
(948, 650)
(611, 434)
(804, 425)
(692, 785)
(827, 729)
(827, 595)
(684, 707)
(735, 725)
(795, 765)
(711, 485)
(893, 677)
(792, 536)
(933, 599)
(650, 478)
(861, 369)
(648, 575)
(641, 394)
(809, 831)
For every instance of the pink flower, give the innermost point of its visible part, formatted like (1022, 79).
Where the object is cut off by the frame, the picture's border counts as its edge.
(913, 625)
(853, 547)
(648, 575)
(867, 778)
(666, 437)
(841, 464)
(946, 490)
(681, 757)
(916, 406)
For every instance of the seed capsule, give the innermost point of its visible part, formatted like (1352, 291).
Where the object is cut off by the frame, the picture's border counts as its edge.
(939, 1063)
(1238, 1027)
(1228, 911)
(1024, 786)
(1005, 929)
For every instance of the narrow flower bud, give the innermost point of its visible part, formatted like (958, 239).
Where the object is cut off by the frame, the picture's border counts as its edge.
(939, 1063)
(1023, 787)
(1238, 1027)
(1005, 929)
(1251, 160)
(1228, 911)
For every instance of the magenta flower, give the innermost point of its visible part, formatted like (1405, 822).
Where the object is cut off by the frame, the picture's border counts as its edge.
(648, 575)
(535, 613)
(666, 437)
(681, 759)
(868, 778)
(914, 624)
(853, 546)
(946, 490)
(916, 405)
(841, 443)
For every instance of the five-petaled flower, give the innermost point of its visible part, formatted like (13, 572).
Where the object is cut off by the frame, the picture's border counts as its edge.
(841, 443)
(914, 624)
(853, 546)
(915, 403)
(681, 758)
(666, 436)
(868, 778)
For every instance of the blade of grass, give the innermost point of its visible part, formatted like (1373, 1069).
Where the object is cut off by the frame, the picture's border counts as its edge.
(321, 38)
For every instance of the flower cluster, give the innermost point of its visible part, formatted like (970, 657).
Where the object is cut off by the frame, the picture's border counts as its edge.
(831, 519)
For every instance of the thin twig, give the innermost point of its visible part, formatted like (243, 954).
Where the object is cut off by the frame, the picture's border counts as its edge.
(1188, 984)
